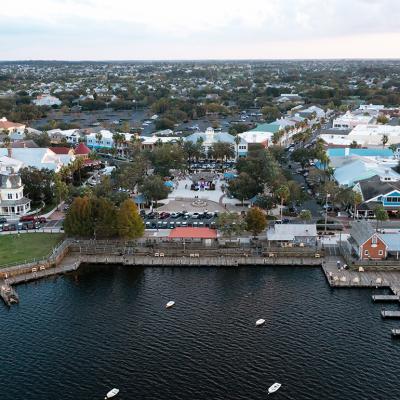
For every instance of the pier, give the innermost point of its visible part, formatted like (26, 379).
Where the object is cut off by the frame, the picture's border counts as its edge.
(390, 314)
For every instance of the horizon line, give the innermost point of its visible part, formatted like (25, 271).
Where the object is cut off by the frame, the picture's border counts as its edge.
(204, 59)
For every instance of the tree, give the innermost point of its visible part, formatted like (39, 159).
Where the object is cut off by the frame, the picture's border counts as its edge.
(131, 174)
(38, 184)
(99, 137)
(357, 200)
(256, 221)
(237, 140)
(230, 224)
(166, 157)
(271, 113)
(382, 119)
(154, 189)
(384, 140)
(129, 223)
(305, 215)
(244, 187)
(60, 189)
(265, 202)
(283, 194)
(104, 218)
(79, 221)
(222, 150)
(380, 214)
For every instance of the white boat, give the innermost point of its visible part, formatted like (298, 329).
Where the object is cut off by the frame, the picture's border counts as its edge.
(111, 393)
(274, 387)
(260, 322)
(170, 304)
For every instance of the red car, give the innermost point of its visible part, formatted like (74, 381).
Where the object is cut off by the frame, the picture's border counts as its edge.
(27, 218)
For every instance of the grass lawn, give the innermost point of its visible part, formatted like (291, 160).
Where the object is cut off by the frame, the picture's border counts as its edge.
(26, 246)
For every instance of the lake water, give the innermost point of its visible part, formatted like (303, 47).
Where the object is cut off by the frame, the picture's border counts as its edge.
(78, 336)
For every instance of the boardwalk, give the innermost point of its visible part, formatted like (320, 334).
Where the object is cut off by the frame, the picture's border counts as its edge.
(351, 278)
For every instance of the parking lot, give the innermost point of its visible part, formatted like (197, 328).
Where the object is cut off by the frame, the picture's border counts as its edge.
(165, 220)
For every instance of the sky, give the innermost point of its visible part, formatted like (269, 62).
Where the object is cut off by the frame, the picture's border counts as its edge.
(202, 29)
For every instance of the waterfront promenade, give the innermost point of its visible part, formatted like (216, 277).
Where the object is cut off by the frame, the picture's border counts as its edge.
(74, 253)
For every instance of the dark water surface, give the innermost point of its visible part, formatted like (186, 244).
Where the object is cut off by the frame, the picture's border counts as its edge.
(80, 335)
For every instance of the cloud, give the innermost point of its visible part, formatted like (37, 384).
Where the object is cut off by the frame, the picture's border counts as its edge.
(136, 30)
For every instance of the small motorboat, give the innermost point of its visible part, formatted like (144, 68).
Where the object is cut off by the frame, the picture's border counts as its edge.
(260, 322)
(170, 304)
(111, 393)
(274, 388)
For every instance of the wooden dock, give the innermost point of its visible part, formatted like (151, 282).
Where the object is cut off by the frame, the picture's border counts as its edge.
(385, 297)
(390, 314)
(8, 294)
(396, 333)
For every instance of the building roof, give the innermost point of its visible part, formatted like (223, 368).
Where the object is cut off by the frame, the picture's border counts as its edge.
(288, 232)
(19, 144)
(392, 241)
(373, 187)
(82, 149)
(60, 150)
(192, 233)
(5, 124)
(361, 231)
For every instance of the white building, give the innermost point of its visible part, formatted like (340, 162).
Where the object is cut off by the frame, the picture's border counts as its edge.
(47, 100)
(371, 135)
(12, 200)
(350, 120)
(72, 136)
(11, 127)
(371, 107)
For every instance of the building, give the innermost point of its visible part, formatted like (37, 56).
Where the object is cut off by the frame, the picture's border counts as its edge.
(47, 100)
(358, 169)
(11, 127)
(82, 151)
(70, 136)
(204, 235)
(368, 135)
(209, 137)
(293, 234)
(12, 200)
(375, 191)
(39, 158)
(63, 150)
(350, 120)
(366, 243)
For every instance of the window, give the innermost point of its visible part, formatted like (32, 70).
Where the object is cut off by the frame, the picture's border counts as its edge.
(374, 240)
(9, 196)
(380, 252)
(366, 252)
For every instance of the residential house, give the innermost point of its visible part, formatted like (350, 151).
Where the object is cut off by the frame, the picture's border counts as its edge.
(11, 127)
(47, 100)
(82, 151)
(70, 136)
(12, 200)
(63, 150)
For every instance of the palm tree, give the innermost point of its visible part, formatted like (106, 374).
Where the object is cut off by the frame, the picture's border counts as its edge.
(237, 140)
(357, 200)
(283, 193)
(384, 140)
(99, 137)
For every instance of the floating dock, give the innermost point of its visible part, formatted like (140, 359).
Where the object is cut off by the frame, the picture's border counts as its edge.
(396, 332)
(390, 314)
(385, 297)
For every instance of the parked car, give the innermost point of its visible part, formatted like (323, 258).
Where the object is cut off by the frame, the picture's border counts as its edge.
(27, 218)
(3, 220)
